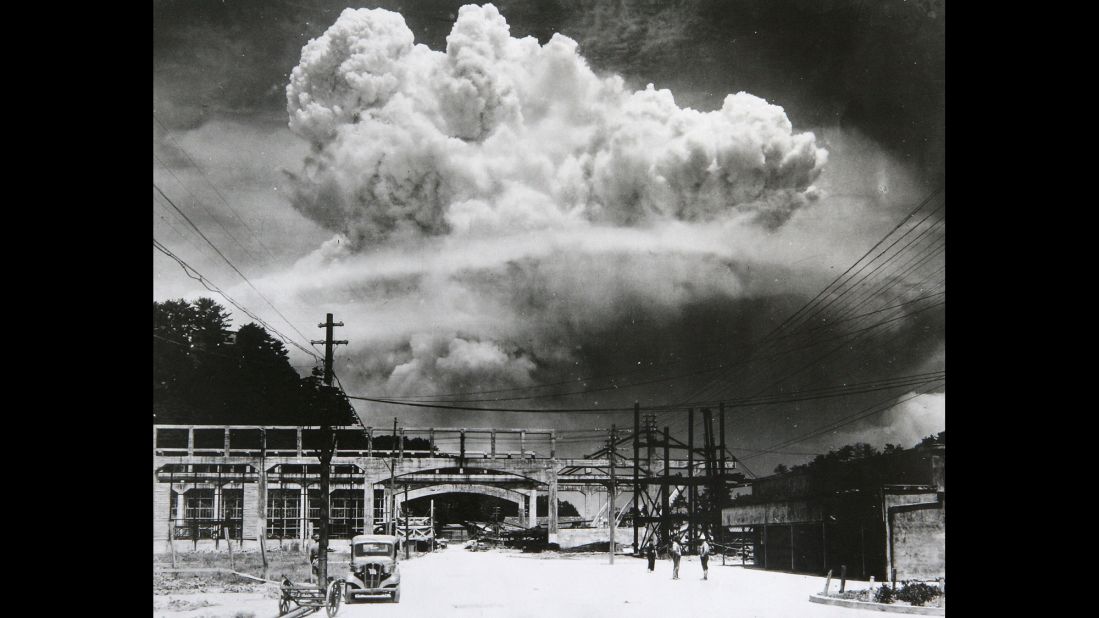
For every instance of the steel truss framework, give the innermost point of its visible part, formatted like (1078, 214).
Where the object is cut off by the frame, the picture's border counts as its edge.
(678, 488)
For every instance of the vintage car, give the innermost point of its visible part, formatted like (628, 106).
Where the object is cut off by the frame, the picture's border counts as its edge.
(373, 569)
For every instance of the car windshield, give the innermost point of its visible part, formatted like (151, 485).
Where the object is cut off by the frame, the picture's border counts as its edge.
(372, 549)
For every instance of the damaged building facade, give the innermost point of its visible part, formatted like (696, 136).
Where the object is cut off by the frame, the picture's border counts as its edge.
(870, 516)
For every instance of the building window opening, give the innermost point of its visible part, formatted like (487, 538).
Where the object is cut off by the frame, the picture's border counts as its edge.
(346, 513)
(283, 519)
(232, 513)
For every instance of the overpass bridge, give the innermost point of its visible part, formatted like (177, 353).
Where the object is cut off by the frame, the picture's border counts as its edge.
(261, 483)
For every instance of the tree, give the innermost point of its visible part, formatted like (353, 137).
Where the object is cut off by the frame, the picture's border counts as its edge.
(203, 375)
(211, 325)
(323, 405)
(564, 507)
(934, 439)
(173, 325)
(781, 469)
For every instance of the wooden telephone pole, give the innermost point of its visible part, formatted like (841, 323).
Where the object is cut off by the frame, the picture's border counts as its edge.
(610, 502)
(328, 447)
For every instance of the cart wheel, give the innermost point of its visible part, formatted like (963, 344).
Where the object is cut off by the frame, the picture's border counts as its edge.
(333, 598)
(284, 606)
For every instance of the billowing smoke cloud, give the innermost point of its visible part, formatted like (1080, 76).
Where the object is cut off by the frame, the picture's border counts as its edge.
(905, 424)
(454, 363)
(504, 216)
(500, 134)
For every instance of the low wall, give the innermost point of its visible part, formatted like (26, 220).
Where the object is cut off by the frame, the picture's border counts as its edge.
(574, 537)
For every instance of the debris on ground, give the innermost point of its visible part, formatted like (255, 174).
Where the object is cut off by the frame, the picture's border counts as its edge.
(167, 583)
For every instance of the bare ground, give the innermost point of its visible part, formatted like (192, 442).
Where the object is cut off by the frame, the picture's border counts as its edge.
(506, 583)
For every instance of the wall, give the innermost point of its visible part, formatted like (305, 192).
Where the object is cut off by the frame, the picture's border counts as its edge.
(771, 513)
(574, 537)
(918, 536)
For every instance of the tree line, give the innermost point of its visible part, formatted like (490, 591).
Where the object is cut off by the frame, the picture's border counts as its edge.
(856, 452)
(205, 373)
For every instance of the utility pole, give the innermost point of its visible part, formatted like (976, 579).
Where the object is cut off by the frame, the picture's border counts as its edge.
(610, 503)
(328, 445)
(636, 472)
(690, 479)
(665, 491)
(391, 526)
(404, 507)
(721, 459)
(708, 442)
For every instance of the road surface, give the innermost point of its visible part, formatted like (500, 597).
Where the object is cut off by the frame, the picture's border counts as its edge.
(509, 584)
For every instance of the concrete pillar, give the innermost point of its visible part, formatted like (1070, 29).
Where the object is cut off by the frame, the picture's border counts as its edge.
(252, 514)
(368, 504)
(180, 504)
(552, 506)
(217, 501)
(162, 509)
(532, 509)
(261, 503)
(303, 513)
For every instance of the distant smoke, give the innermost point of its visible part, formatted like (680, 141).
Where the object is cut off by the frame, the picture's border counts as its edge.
(904, 424)
(505, 217)
(501, 134)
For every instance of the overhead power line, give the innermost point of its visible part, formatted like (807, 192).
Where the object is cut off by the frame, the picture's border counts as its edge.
(793, 396)
(462, 395)
(209, 182)
(193, 273)
(814, 307)
(873, 409)
(229, 262)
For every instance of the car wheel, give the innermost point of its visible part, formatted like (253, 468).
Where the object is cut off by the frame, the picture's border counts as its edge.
(397, 595)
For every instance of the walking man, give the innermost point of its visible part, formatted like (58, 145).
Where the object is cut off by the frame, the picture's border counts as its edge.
(314, 553)
(704, 556)
(676, 552)
(650, 554)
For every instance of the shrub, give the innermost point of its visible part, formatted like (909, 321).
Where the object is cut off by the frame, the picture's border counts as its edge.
(917, 593)
(885, 594)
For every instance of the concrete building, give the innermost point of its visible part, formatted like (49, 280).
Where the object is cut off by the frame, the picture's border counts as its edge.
(253, 483)
(874, 515)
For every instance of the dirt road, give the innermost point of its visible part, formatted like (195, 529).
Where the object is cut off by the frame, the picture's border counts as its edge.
(502, 583)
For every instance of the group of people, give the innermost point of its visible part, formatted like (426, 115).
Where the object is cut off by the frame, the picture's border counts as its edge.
(675, 550)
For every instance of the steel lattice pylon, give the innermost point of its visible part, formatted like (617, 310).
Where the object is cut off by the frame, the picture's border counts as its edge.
(673, 497)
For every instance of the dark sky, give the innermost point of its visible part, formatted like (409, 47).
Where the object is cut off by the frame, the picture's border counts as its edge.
(872, 71)
(878, 66)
